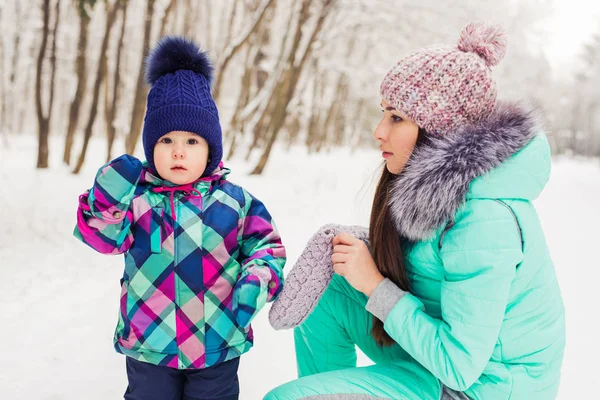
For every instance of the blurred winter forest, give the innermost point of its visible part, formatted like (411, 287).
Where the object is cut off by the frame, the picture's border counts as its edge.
(287, 72)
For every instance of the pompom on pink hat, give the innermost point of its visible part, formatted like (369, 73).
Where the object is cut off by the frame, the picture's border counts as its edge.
(441, 88)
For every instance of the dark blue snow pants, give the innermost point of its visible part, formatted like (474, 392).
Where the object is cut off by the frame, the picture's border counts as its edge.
(153, 382)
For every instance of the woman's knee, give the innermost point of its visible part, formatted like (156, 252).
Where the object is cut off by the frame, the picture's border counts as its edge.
(404, 379)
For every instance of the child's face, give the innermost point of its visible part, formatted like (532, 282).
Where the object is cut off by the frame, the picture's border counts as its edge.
(181, 157)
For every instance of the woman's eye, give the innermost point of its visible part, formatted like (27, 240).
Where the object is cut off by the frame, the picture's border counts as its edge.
(192, 141)
(166, 140)
(396, 118)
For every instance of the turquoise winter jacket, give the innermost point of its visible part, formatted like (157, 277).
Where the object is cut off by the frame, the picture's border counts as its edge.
(485, 314)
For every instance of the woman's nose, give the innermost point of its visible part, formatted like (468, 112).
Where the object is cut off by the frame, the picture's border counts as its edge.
(380, 132)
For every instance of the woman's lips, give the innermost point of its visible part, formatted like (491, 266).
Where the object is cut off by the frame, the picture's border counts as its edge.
(385, 154)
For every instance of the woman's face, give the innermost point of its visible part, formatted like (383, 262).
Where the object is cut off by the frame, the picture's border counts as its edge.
(397, 136)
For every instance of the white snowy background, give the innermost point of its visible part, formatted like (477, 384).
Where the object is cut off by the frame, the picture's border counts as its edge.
(59, 298)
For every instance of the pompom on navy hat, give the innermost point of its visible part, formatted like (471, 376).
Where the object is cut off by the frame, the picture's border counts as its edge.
(180, 75)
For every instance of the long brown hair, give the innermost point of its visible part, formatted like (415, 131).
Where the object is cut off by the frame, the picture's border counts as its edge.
(385, 243)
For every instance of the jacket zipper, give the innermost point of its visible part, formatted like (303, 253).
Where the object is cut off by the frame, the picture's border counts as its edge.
(175, 262)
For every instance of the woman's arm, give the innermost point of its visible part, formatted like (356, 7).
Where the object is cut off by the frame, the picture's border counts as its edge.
(480, 256)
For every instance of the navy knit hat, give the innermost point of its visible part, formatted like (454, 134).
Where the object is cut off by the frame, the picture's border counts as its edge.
(179, 99)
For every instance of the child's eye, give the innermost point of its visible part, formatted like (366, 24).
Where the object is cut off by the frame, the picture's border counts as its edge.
(192, 141)
(166, 140)
(396, 118)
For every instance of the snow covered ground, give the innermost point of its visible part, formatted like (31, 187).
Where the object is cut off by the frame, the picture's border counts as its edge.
(59, 298)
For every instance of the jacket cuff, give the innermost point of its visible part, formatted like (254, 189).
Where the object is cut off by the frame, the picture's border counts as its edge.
(384, 298)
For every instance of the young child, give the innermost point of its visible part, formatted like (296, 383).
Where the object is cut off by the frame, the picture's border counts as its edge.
(202, 255)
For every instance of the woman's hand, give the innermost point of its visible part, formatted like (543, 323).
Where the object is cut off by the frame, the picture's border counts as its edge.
(352, 260)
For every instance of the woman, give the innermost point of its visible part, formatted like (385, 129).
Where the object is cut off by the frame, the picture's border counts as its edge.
(458, 298)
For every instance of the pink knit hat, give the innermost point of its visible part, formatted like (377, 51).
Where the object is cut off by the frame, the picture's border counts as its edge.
(441, 88)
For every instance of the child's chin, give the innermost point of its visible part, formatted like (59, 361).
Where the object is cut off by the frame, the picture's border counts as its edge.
(181, 180)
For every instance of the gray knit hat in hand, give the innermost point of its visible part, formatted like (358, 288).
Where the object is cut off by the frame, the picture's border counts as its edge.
(309, 277)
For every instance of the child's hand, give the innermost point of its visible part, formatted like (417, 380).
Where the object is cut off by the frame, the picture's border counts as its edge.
(250, 296)
(126, 166)
(114, 187)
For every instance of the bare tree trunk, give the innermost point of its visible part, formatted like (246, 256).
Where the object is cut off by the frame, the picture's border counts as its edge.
(263, 109)
(595, 129)
(339, 123)
(332, 123)
(271, 112)
(278, 115)
(53, 59)
(237, 124)
(576, 121)
(290, 79)
(139, 102)
(111, 16)
(208, 23)
(3, 94)
(292, 127)
(252, 80)
(110, 130)
(235, 47)
(589, 145)
(223, 37)
(315, 121)
(173, 24)
(42, 161)
(227, 37)
(338, 120)
(22, 111)
(81, 70)
(242, 98)
(340, 102)
(44, 120)
(11, 108)
(356, 135)
(188, 23)
(111, 109)
(266, 115)
(177, 25)
(165, 18)
(323, 136)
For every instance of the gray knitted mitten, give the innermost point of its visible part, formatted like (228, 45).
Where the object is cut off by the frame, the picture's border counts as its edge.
(310, 276)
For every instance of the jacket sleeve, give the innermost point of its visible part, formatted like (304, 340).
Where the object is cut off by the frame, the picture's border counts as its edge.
(104, 218)
(262, 258)
(480, 255)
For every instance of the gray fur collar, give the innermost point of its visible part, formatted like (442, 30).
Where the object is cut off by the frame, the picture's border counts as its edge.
(435, 181)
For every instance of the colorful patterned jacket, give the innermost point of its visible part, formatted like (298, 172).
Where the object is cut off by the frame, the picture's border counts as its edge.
(200, 261)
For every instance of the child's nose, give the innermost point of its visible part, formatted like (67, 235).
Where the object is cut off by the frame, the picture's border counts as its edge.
(178, 152)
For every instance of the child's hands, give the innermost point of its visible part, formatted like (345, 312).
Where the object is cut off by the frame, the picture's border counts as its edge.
(250, 295)
(128, 167)
(114, 187)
